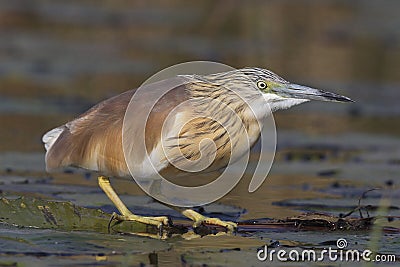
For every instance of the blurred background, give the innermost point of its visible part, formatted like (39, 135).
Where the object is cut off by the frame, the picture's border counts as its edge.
(59, 57)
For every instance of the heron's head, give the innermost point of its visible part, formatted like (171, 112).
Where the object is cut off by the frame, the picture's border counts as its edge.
(281, 94)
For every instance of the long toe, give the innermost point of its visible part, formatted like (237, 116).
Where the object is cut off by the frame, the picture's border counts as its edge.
(230, 226)
(162, 223)
(201, 219)
(156, 221)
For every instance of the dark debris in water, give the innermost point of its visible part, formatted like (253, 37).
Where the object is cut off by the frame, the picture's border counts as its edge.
(318, 153)
(328, 173)
(314, 222)
(327, 222)
(319, 221)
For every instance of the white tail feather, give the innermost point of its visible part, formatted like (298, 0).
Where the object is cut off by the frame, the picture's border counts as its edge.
(51, 137)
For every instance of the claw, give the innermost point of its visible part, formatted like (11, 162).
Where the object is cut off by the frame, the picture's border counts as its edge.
(160, 229)
(110, 221)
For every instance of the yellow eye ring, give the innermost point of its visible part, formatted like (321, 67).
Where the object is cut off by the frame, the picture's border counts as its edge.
(261, 85)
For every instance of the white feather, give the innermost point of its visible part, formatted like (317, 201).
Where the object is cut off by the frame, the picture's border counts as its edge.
(277, 102)
(51, 137)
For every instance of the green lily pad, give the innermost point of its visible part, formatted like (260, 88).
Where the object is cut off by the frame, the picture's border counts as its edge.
(48, 214)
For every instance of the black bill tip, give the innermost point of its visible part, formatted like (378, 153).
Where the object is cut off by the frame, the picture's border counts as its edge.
(335, 97)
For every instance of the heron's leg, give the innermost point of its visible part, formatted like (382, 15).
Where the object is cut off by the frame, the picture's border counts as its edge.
(126, 214)
(199, 219)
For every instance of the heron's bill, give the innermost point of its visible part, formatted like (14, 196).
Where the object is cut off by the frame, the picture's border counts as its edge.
(298, 91)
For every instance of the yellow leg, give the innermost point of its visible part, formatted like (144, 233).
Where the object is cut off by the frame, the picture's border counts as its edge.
(127, 215)
(199, 219)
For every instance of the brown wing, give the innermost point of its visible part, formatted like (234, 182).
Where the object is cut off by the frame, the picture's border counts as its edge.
(94, 139)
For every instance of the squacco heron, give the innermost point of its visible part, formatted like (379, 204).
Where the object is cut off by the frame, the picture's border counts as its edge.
(94, 140)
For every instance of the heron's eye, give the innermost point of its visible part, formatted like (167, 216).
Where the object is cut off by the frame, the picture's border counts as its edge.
(262, 85)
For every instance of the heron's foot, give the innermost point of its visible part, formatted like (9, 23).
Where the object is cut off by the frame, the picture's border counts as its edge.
(161, 222)
(155, 221)
(199, 219)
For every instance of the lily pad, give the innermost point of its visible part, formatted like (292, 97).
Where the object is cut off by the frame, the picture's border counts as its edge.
(48, 214)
